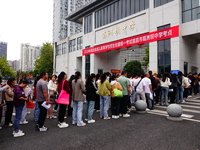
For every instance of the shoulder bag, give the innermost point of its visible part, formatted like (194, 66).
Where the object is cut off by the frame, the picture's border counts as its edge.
(63, 96)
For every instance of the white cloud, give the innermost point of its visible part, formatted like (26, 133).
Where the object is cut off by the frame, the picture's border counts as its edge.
(25, 21)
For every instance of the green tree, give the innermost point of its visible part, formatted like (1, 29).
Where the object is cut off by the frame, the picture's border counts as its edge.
(5, 68)
(146, 58)
(133, 67)
(45, 61)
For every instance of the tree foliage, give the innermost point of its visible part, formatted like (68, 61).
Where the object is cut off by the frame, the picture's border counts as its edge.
(133, 67)
(146, 58)
(5, 68)
(45, 61)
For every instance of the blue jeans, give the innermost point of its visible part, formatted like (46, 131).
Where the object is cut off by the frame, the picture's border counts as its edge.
(36, 112)
(24, 112)
(133, 97)
(89, 109)
(104, 105)
(18, 116)
(77, 112)
(179, 95)
(164, 95)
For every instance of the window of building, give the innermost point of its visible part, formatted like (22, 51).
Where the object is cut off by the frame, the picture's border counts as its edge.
(161, 2)
(88, 24)
(127, 7)
(79, 43)
(72, 45)
(59, 49)
(164, 53)
(64, 48)
(190, 10)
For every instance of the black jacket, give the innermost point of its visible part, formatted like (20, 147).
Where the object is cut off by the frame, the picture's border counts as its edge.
(90, 91)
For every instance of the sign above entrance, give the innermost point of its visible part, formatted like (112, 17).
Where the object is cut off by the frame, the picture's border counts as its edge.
(115, 71)
(135, 40)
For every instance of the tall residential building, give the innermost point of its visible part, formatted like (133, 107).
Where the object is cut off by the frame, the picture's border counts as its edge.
(3, 49)
(15, 64)
(61, 27)
(28, 55)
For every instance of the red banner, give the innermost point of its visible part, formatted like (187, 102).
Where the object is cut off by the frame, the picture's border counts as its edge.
(135, 40)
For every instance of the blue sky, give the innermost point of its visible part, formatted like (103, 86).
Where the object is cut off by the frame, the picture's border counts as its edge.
(25, 21)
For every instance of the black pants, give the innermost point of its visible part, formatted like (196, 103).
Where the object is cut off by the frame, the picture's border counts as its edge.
(70, 109)
(9, 111)
(61, 113)
(185, 93)
(42, 116)
(196, 88)
(172, 95)
(157, 95)
(97, 102)
(56, 106)
(115, 105)
(123, 104)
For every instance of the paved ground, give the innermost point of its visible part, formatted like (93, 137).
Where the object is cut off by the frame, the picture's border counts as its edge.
(150, 131)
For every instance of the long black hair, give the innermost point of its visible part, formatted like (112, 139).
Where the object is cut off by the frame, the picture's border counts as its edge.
(103, 78)
(164, 77)
(36, 80)
(77, 76)
(61, 76)
(10, 80)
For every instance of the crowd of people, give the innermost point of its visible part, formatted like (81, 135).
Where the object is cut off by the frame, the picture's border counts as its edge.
(100, 92)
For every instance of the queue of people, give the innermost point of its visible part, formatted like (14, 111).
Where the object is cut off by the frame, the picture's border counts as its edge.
(100, 92)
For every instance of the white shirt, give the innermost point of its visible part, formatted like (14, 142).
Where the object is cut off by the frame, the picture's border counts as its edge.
(147, 82)
(140, 85)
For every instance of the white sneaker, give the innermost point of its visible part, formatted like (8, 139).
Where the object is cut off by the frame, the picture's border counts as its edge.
(113, 116)
(63, 125)
(0, 127)
(54, 110)
(116, 117)
(14, 114)
(91, 121)
(81, 125)
(10, 125)
(147, 109)
(86, 119)
(24, 122)
(126, 115)
(18, 131)
(18, 134)
(43, 129)
(97, 110)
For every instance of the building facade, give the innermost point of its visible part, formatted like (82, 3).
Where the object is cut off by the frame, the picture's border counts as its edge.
(3, 49)
(113, 29)
(28, 55)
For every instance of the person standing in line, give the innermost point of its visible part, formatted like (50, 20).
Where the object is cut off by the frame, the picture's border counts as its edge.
(153, 85)
(90, 97)
(27, 91)
(70, 107)
(125, 83)
(97, 99)
(139, 86)
(174, 85)
(42, 96)
(104, 89)
(2, 89)
(36, 109)
(19, 102)
(133, 92)
(115, 101)
(157, 89)
(148, 91)
(9, 97)
(62, 83)
(52, 87)
(77, 95)
(165, 83)
(180, 89)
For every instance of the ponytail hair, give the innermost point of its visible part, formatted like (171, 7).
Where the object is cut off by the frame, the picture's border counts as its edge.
(77, 76)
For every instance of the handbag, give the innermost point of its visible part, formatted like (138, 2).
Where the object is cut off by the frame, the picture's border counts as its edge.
(64, 97)
(171, 89)
(30, 104)
(118, 93)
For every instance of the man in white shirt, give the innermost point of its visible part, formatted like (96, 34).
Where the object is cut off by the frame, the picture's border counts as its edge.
(148, 90)
(139, 88)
